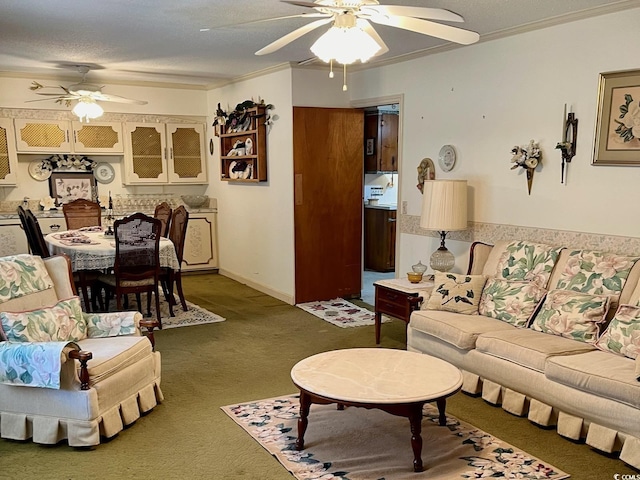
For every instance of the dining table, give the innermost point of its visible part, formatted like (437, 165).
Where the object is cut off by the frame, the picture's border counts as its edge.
(90, 249)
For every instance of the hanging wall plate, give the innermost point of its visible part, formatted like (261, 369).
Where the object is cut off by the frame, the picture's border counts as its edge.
(104, 173)
(447, 158)
(38, 171)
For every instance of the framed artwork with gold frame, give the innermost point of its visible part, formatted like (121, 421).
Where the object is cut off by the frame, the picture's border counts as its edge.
(617, 139)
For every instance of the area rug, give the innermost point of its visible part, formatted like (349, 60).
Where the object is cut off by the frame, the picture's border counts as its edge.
(339, 312)
(358, 444)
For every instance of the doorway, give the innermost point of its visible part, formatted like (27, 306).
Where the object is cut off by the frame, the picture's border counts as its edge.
(380, 193)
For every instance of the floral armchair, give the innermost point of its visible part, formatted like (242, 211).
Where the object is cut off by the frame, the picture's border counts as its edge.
(64, 373)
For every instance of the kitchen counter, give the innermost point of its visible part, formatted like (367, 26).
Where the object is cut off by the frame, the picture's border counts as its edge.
(382, 206)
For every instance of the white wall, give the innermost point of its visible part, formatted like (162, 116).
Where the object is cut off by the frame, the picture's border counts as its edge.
(488, 97)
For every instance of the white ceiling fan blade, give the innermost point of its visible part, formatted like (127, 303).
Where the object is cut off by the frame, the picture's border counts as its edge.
(61, 98)
(264, 20)
(290, 37)
(367, 27)
(425, 27)
(419, 12)
(102, 97)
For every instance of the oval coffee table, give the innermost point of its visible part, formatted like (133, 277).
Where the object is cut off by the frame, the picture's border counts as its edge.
(395, 381)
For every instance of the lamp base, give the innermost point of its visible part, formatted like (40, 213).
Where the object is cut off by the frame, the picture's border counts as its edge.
(442, 260)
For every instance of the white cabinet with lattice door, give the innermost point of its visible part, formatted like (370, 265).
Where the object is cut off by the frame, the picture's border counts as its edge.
(8, 156)
(186, 156)
(63, 136)
(157, 153)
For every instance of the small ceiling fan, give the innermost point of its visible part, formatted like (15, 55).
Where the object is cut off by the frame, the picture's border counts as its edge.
(350, 13)
(87, 94)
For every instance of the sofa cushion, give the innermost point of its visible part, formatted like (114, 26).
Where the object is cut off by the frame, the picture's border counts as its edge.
(622, 336)
(599, 373)
(456, 293)
(590, 271)
(25, 284)
(63, 322)
(528, 348)
(113, 354)
(511, 302)
(527, 261)
(571, 314)
(458, 330)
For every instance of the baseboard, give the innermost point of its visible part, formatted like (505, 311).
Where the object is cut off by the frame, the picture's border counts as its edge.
(258, 286)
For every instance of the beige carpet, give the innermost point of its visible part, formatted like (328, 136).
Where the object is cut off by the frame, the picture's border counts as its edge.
(358, 444)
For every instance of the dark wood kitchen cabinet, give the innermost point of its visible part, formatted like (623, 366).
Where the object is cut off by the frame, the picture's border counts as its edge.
(381, 143)
(379, 239)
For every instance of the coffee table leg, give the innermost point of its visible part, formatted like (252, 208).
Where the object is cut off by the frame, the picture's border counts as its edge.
(303, 421)
(415, 420)
(442, 404)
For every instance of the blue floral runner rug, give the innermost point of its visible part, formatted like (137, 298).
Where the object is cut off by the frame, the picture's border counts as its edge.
(357, 444)
(339, 312)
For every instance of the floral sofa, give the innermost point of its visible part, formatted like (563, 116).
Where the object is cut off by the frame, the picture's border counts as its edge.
(548, 333)
(66, 374)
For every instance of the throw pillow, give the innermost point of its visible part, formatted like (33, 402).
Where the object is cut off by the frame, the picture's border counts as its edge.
(456, 293)
(22, 275)
(111, 324)
(511, 302)
(62, 322)
(528, 261)
(622, 336)
(573, 315)
(589, 271)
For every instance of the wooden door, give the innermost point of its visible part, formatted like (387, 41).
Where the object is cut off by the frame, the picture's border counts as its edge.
(388, 143)
(328, 186)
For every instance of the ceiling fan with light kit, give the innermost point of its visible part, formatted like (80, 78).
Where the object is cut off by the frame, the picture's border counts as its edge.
(87, 95)
(351, 36)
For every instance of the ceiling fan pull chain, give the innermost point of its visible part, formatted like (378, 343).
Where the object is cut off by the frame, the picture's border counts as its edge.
(331, 68)
(344, 76)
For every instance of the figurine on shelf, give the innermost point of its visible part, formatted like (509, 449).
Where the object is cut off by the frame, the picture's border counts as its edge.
(238, 149)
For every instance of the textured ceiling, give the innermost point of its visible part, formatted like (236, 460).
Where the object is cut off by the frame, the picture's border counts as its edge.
(160, 40)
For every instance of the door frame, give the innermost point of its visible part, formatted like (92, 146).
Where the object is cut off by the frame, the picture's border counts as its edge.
(374, 102)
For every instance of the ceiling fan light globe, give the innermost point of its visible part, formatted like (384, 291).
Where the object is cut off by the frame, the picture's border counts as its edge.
(87, 109)
(345, 45)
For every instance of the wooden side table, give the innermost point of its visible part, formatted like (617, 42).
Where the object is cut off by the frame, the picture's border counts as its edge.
(397, 297)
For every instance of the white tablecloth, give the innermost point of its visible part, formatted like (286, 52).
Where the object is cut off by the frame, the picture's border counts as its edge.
(101, 253)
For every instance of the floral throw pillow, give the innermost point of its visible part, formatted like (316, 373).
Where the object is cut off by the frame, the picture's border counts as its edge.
(511, 302)
(61, 323)
(22, 275)
(622, 336)
(112, 324)
(572, 315)
(456, 293)
(524, 261)
(589, 271)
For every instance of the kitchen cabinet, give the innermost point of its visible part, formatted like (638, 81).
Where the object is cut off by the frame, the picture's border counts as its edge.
(8, 155)
(249, 162)
(158, 153)
(381, 143)
(200, 248)
(379, 239)
(63, 136)
(13, 239)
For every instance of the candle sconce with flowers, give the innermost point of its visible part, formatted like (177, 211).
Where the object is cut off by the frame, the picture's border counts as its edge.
(527, 157)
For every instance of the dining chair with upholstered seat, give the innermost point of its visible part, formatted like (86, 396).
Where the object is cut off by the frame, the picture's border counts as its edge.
(163, 213)
(177, 235)
(137, 263)
(82, 213)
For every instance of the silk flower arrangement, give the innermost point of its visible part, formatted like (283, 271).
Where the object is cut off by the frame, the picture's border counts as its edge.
(527, 157)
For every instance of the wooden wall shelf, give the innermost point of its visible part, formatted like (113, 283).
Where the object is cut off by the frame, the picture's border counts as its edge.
(243, 167)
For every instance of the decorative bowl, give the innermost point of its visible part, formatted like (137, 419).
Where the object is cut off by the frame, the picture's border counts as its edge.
(194, 201)
(414, 277)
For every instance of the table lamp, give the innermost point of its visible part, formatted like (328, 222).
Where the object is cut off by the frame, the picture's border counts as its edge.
(444, 209)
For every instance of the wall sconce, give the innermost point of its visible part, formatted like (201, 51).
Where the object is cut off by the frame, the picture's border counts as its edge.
(569, 139)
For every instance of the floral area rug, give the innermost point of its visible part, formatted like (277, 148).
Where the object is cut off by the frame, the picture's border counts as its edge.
(195, 315)
(357, 444)
(339, 312)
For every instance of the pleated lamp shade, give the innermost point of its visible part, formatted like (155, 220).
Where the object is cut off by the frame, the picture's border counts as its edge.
(444, 208)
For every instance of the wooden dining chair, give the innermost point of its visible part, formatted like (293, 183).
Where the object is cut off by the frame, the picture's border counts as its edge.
(177, 235)
(163, 213)
(82, 213)
(35, 238)
(137, 264)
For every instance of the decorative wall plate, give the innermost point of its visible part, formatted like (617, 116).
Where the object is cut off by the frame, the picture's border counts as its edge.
(38, 171)
(447, 158)
(104, 173)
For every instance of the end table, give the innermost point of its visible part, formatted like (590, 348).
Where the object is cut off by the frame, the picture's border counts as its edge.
(398, 297)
